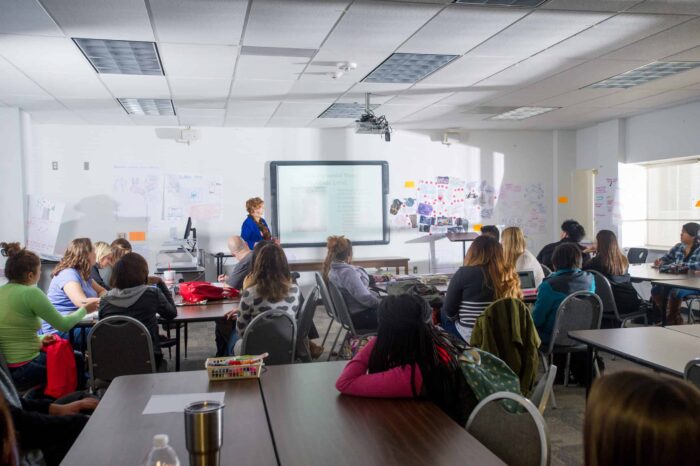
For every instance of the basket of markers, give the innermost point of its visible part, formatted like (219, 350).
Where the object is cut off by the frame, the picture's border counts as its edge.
(235, 367)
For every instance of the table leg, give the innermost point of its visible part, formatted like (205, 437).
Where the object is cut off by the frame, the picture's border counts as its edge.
(589, 368)
(464, 250)
(177, 347)
(664, 303)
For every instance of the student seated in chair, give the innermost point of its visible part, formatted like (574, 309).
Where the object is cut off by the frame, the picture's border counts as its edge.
(134, 294)
(101, 271)
(571, 232)
(23, 307)
(352, 281)
(409, 358)
(638, 418)
(268, 287)
(567, 278)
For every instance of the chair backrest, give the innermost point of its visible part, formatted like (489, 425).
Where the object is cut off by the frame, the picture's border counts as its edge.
(325, 296)
(546, 270)
(119, 345)
(605, 293)
(305, 318)
(341, 308)
(273, 332)
(581, 310)
(543, 389)
(519, 439)
(692, 372)
(637, 255)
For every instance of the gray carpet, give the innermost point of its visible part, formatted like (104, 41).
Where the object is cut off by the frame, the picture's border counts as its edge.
(564, 423)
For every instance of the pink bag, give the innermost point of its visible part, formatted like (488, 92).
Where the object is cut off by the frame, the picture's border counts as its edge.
(194, 292)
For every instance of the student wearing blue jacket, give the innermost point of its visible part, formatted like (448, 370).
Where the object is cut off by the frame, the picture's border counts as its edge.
(568, 278)
(255, 227)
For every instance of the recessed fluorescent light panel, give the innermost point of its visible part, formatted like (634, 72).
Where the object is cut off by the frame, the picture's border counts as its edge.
(520, 3)
(407, 67)
(644, 74)
(121, 56)
(345, 110)
(151, 107)
(523, 112)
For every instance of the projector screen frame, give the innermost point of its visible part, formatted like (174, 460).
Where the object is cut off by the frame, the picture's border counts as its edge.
(274, 205)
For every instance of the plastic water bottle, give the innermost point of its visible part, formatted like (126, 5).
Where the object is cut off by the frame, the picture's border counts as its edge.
(162, 454)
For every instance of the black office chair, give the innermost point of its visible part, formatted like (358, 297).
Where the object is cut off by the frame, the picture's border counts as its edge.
(637, 255)
(610, 312)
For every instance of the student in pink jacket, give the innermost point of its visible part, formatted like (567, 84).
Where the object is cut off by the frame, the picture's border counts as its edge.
(409, 358)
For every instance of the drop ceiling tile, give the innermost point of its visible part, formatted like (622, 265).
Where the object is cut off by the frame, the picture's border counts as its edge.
(102, 19)
(536, 32)
(575, 97)
(434, 112)
(198, 61)
(143, 87)
(612, 34)
(270, 68)
(243, 122)
(288, 122)
(459, 28)
(213, 22)
(250, 109)
(264, 90)
(326, 61)
(30, 103)
(691, 7)
(622, 97)
(396, 112)
(195, 88)
(663, 44)
(421, 94)
(298, 110)
(203, 103)
(665, 99)
(531, 70)
(52, 117)
(379, 26)
(589, 5)
(26, 18)
(468, 70)
(310, 91)
(379, 92)
(160, 120)
(472, 96)
(692, 54)
(296, 23)
(14, 82)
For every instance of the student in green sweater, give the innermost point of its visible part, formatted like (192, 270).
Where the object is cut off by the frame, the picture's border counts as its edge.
(23, 306)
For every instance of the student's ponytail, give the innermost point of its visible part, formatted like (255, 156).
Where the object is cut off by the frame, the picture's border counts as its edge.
(339, 250)
(20, 262)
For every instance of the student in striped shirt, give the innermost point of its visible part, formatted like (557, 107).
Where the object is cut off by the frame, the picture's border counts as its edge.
(484, 278)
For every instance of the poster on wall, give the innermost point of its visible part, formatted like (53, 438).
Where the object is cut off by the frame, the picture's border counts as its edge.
(138, 192)
(197, 196)
(43, 222)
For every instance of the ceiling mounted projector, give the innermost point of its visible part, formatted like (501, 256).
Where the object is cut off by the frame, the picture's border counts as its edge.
(369, 123)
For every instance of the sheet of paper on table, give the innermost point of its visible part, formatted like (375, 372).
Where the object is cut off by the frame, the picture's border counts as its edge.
(176, 403)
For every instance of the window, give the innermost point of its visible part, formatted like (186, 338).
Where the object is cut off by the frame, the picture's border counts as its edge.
(672, 192)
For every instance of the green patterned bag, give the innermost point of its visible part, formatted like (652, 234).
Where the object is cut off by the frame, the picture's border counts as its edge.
(486, 374)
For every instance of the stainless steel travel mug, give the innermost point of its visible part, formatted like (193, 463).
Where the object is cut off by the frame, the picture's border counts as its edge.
(204, 430)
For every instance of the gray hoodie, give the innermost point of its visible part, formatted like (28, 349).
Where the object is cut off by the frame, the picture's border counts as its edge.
(353, 282)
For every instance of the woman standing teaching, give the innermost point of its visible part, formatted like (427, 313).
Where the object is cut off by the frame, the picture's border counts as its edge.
(255, 227)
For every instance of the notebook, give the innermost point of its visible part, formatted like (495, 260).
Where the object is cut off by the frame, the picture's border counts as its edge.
(527, 283)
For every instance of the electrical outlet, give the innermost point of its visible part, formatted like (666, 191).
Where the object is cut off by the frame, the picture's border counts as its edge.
(86, 165)
(415, 269)
(54, 165)
(121, 235)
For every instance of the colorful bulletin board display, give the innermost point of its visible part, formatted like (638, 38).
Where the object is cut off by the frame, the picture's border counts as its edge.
(450, 204)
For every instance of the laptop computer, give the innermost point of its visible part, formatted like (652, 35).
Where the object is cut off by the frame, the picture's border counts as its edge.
(527, 283)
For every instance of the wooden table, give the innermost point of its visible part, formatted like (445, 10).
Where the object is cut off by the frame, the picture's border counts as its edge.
(684, 281)
(659, 348)
(693, 330)
(118, 434)
(313, 424)
(317, 265)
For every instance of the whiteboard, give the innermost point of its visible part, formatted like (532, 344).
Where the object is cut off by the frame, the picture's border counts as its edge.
(314, 200)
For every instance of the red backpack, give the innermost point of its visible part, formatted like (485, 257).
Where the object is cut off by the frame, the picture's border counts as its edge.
(194, 292)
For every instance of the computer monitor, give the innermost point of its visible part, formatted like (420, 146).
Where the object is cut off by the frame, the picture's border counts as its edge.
(527, 279)
(188, 228)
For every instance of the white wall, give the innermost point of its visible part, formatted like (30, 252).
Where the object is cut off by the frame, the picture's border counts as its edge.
(240, 155)
(13, 127)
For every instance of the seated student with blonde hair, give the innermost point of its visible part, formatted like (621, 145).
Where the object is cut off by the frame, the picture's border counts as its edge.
(352, 281)
(102, 269)
(517, 255)
(132, 295)
(642, 419)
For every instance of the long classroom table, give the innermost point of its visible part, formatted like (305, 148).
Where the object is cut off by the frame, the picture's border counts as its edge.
(312, 424)
(303, 265)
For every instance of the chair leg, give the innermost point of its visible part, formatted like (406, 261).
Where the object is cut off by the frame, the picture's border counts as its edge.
(566, 369)
(330, 352)
(546, 365)
(328, 330)
(185, 340)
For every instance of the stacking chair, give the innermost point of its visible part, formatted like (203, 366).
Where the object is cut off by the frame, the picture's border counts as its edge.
(581, 310)
(118, 345)
(543, 389)
(604, 291)
(343, 316)
(637, 255)
(305, 317)
(547, 271)
(690, 301)
(518, 438)
(273, 332)
(327, 304)
(692, 372)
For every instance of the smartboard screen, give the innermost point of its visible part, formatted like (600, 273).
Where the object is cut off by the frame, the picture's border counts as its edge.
(313, 200)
